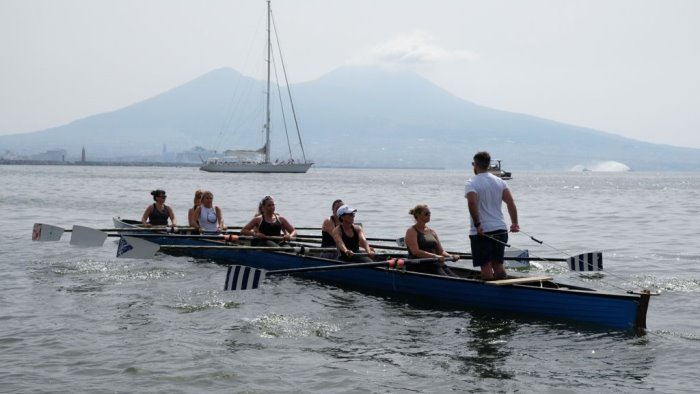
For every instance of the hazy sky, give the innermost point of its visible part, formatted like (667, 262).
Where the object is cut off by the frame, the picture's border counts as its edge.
(629, 67)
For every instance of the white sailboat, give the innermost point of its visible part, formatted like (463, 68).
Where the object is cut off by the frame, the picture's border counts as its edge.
(259, 160)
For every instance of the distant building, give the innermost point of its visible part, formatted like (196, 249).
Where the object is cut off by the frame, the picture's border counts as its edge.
(51, 155)
(168, 157)
(82, 156)
(195, 155)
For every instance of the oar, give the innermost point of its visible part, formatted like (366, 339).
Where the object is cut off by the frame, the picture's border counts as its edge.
(137, 248)
(591, 261)
(583, 262)
(367, 238)
(87, 236)
(296, 228)
(388, 247)
(47, 232)
(239, 277)
(81, 235)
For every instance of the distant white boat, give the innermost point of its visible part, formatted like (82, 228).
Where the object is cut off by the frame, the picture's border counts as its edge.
(259, 160)
(495, 169)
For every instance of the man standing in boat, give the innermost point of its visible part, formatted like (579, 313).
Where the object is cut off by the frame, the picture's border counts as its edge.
(488, 233)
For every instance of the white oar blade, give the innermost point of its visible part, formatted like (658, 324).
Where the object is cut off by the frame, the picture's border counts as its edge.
(46, 232)
(517, 254)
(136, 248)
(86, 236)
(240, 277)
(592, 261)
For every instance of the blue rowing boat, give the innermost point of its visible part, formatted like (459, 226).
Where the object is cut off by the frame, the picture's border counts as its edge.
(539, 297)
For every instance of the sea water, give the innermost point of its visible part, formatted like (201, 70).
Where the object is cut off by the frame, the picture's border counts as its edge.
(80, 320)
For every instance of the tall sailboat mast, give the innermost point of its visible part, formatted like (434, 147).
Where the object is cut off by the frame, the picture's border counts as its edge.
(269, 61)
(251, 160)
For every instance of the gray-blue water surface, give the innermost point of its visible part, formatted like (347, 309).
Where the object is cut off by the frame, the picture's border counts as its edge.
(80, 320)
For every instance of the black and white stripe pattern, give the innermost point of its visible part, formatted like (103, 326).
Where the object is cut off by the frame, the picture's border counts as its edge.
(241, 277)
(592, 261)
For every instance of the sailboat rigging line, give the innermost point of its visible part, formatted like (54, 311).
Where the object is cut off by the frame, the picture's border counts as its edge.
(282, 112)
(241, 93)
(289, 91)
(269, 63)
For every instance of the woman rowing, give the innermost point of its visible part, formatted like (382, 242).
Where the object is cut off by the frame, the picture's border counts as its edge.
(157, 214)
(268, 226)
(209, 217)
(330, 224)
(191, 217)
(349, 237)
(423, 242)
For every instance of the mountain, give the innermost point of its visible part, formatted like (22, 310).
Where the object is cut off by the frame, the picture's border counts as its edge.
(353, 116)
(181, 118)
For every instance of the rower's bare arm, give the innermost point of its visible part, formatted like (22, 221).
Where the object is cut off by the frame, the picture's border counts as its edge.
(411, 239)
(248, 228)
(288, 228)
(146, 213)
(512, 210)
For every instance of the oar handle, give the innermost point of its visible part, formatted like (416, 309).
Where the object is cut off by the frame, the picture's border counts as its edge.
(536, 240)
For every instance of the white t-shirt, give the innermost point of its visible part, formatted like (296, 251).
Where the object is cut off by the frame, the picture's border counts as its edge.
(489, 190)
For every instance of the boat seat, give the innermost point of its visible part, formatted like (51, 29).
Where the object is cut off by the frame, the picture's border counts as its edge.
(512, 281)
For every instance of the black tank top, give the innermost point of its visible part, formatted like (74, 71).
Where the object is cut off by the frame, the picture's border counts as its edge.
(426, 241)
(326, 237)
(352, 243)
(159, 218)
(271, 229)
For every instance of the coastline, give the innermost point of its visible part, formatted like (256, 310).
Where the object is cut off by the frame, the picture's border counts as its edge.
(97, 163)
(168, 164)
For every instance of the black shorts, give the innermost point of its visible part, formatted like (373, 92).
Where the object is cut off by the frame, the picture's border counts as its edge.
(485, 249)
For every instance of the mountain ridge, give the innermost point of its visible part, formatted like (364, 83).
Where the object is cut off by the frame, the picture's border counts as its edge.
(390, 118)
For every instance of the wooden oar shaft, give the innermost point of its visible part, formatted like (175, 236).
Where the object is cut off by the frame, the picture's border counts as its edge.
(240, 277)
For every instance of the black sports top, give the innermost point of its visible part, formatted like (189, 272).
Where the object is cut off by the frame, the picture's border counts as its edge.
(352, 243)
(271, 229)
(159, 218)
(326, 237)
(426, 241)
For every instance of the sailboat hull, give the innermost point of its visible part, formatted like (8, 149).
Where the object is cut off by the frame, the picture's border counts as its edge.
(291, 168)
